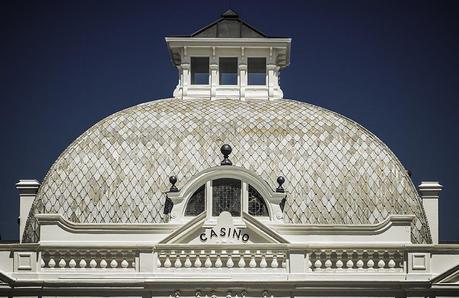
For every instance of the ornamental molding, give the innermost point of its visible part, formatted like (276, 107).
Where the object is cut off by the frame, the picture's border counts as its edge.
(352, 229)
(180, 198)
(234, 172)
(106, 228)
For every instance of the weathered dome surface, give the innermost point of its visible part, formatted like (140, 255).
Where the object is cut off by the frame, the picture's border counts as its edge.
(336, 171)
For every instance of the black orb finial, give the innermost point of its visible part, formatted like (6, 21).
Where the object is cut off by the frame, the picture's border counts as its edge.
(226, 151)
(173, 180)
(281, 181)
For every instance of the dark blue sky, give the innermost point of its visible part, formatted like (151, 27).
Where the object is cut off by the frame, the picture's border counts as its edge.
(392, 66)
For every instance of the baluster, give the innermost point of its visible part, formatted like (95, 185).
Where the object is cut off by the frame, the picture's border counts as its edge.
(381, 264)
(263, 263)
(349, 262)
(252, 263)
(339, 264)
(241, 262)
(178, 262)
(197, 262)
(51, 263)
(391, 264)
(72, 263)
(125, 264)
(187, 262)
(82, 263)
(318, 264)
(274, 263)
(42, 263)
(229, 262)
(167, 262)
(113, 263)
(103, 264)
(218, 262)
(328, 263)
(370, 262)
(359, 263)
(208, 262)
(62, 263)
(92, 263)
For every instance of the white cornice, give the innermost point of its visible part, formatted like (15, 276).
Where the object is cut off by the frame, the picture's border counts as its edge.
(118, 228)
(239, 41)
(334, 229)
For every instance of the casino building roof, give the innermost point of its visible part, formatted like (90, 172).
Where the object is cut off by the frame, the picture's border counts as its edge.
(336, 171)
(227, 189)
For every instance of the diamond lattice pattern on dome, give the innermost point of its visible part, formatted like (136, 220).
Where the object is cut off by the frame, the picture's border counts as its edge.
(336, 171)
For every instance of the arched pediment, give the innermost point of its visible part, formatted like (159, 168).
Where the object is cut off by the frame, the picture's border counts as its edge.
(247, 177)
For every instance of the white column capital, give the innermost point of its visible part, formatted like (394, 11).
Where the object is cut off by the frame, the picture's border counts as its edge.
(430, 189)
(27, 187)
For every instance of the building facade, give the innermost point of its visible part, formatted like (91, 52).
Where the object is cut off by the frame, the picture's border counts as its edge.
(228, 190)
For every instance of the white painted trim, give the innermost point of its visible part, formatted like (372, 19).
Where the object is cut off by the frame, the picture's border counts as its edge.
(246, 176)
(272, 235)
(106, 228)
(185, 229)
(28, 189)
(336, 229)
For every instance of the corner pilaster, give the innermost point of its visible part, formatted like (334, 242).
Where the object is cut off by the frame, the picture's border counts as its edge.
(430, 193)
(27, 192)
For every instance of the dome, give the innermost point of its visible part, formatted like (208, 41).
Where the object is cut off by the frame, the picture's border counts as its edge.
(336, 171)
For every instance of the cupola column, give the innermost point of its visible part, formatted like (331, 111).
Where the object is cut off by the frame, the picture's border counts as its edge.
(185, 78)
(272, 70)
(213, 68)
(242, 73)
(430, 192)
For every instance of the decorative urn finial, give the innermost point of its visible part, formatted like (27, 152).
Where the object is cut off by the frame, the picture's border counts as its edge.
(281, 181)
(226, 151)
(173, 180)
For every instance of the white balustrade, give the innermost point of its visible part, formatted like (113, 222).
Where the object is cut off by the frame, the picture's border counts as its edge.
(363, 260)
(77, 259)
(247, 259)
(216, 259)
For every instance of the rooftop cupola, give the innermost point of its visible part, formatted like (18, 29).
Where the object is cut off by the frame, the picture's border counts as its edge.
(229, 59)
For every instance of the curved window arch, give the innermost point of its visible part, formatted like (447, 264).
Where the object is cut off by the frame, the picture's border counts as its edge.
(257, 205)
(227, 194)
(197, 202)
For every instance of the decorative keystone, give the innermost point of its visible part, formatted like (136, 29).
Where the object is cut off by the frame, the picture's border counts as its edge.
(281, 181)
(226, 151)
(173, 180)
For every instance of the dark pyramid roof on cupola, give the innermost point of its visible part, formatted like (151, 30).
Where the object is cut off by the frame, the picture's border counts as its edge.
(229, 26)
